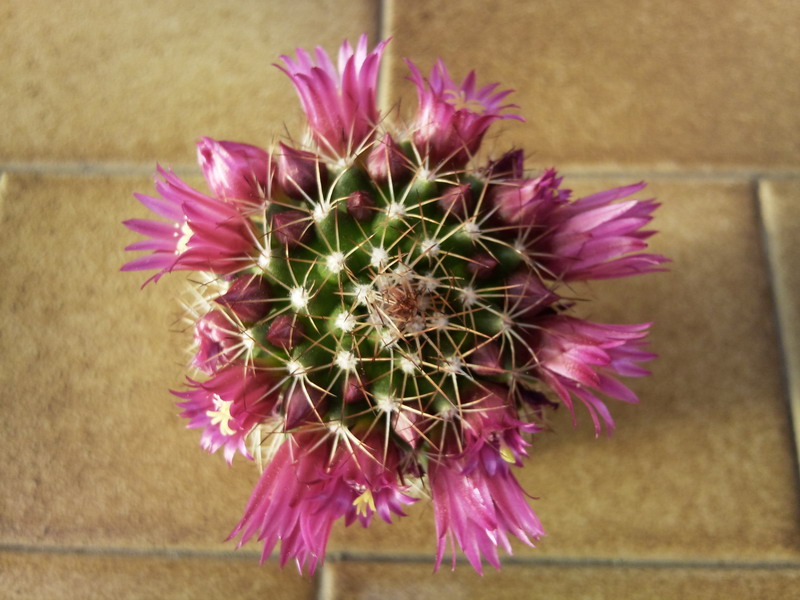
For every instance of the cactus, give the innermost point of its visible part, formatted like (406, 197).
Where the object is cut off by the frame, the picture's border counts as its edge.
(382, 317)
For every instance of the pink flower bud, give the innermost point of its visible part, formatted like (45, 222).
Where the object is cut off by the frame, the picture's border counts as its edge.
(285, 332)
(247, 298)
(509, 166)
(457, 200)
(386, 161)
(404, 425)
(485, 360)
(291, 227)
(303, 405)
(233, 170)
(216, 342)
(481, 265)
(353, 390)
(527, 294)
(526, 201)
(360, 205)
(298, 172)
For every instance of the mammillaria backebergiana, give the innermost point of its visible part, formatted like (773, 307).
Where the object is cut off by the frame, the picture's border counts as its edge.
(382, 317)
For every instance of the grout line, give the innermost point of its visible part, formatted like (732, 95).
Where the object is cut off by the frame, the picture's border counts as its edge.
(3, 190)
(326, 577)
(325, 586)
(121, 551)
(577, 562)
(778, 316)
(188, 169)
(95, 168)
(385, 73)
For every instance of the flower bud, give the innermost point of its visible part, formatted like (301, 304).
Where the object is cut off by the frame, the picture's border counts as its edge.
(525, 293)
(525, 201)
(481, 265)
(290, 227)
(485, 360)
(404, 424)
(247, 298)
(234, 170)
(353, 389)
(298, 172)
(360, 205)
(386, 162)
(285, 332)
(509, 166)
(303, 405)
(216, 343)
(457, 200)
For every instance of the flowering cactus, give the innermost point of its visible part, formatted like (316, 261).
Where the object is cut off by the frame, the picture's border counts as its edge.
(381, 316)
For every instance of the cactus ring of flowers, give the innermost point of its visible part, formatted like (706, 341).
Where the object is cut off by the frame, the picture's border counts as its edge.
(380, 318)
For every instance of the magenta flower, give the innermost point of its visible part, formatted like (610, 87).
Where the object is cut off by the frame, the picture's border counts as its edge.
(492, 431)
(235, 171)
(206, 234)
(452, 119)
(578, 358)
(596, 237)
(477, 510)
(308, 485)
(339, 105)
(228, 406)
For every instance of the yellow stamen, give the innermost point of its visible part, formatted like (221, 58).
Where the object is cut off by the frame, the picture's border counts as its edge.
(222, 415)
(363, 502)
(459, 100)
(507, 455)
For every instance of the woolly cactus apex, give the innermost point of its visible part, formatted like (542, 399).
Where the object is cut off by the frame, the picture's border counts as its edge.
(388, 310)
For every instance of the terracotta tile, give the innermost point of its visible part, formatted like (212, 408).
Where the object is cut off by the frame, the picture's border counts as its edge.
(779, 208)
(33, 575)
(656, 84)
(387, 581)
(704, 466)
(94, 453)
(121, 81)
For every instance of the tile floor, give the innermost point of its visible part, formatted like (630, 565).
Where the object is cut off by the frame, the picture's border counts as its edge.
(694, 496)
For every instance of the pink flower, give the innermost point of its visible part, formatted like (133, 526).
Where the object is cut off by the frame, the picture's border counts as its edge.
(206, 234)
(235, 171)
(529, 201)
(492, 432)
(596, 237)
(451, 119)
(228, 406)
(477, 510)
(339, 105)
(578, 358)
(308, 485)
(218, 342)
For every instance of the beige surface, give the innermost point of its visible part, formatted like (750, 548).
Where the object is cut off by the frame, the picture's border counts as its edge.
(626, 82)
(376, 581)
(93, 458)
(121, 81)
(35, 576)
